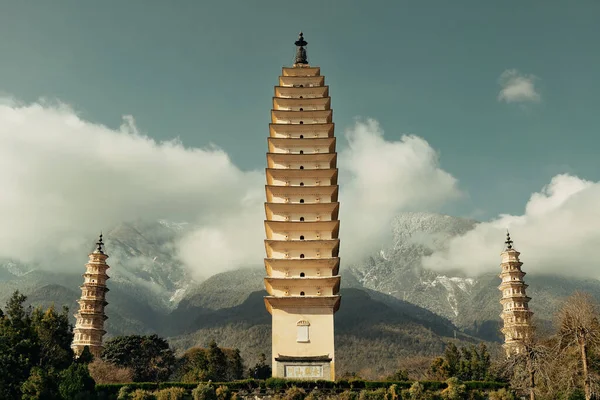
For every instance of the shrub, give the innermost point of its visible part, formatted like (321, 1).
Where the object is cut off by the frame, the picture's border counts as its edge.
(247, 384)
(141, 394)
(416, 392)
(315, 394)
(124, 393)
(477, 395)
(276, 384)
(393, 392)
(294, 393)
(501, 394)
(105, 372)
(204, 392)
(348, 395)
(223, 393)
(379, 394)
(577, 394)
(173, 393)
(485, 385)
(454, 391)
(357, 383)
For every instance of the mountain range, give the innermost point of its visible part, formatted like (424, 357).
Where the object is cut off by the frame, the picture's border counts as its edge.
(392, 307)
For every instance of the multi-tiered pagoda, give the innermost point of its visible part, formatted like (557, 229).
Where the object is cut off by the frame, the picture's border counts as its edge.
(89, 325)
(515, 303)
(302, 223)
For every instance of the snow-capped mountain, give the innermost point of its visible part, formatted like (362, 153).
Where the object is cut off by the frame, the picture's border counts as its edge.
(397, 270)
(151, 290)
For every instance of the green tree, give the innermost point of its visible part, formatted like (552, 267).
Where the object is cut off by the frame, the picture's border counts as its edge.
(39, 386)
(86, 356)
(261, 370)
(149, 357)
(55, 335)
(217, 363)
(484, 364)
(452, 356)
(399, 375)
(19, 347)
(468, 364)
(438, 369)
(236, 366)
(192, 366)
(76, 382)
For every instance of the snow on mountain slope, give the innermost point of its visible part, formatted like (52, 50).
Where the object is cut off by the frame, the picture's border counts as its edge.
(397, 270)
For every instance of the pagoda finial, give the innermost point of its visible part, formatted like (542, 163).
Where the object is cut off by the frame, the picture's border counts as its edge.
(508, 242)
(100, 244)
(300, 50)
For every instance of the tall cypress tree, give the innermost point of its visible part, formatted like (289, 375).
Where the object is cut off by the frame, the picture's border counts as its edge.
(236, 366)
(217, 363)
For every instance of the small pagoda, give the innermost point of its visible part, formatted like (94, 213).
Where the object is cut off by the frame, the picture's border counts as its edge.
(89, 325)
(302, 224)
(515, 303)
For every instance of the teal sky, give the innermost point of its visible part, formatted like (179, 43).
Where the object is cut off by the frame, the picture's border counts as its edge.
(205, 71)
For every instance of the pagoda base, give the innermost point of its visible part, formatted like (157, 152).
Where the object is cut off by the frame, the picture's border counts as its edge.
(304, 368)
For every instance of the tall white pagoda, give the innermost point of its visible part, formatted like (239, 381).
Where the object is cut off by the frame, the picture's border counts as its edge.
(302, 225)
(89, 324)
(515, 302)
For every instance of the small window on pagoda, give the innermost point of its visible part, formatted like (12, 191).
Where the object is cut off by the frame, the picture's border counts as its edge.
(300, 96)
(301, 274)
(301, 201)
(301, 293)
(301, 122)
(301, 255)
(301, 237)
(301, 151)
(301, 86)
(302, 167)
(301, 109)
(301, 136)
(302, 327)
(301, 183)
(301, 219)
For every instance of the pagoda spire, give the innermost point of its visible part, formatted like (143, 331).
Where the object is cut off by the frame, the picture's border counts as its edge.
(515, 315)
(301, 58)
(508, 241)
(100, 245)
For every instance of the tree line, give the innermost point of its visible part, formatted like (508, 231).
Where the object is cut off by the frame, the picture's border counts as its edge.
(37, 362)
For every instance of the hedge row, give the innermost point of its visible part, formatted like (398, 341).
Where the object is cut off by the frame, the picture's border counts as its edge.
(279, 384)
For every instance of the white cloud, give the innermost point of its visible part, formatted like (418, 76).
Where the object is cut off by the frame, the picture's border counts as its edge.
(63, 179)
(558, 233)
(379, 179)
(517, 87)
